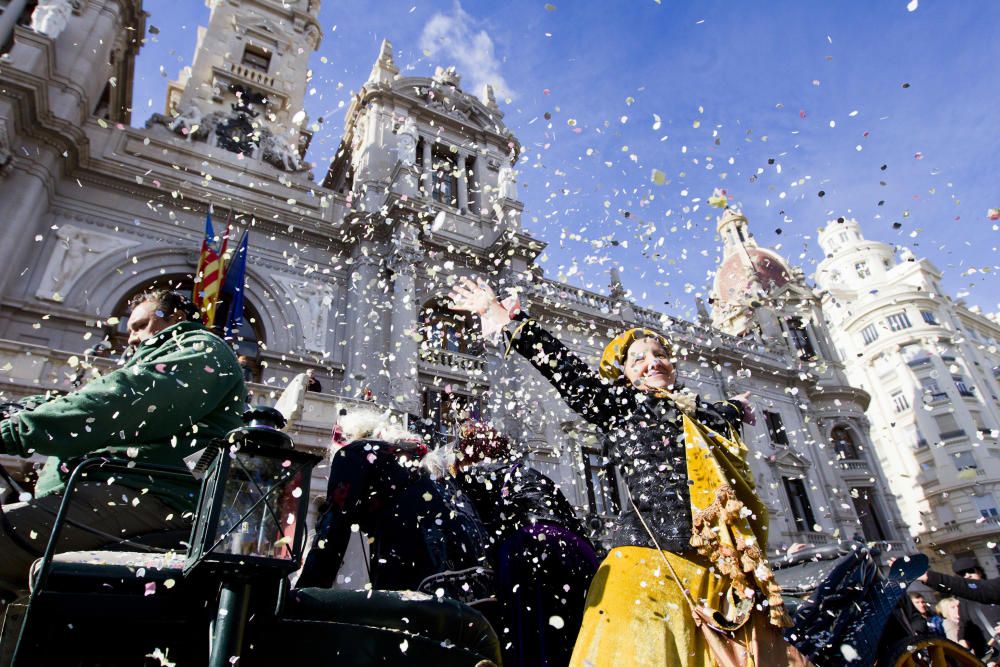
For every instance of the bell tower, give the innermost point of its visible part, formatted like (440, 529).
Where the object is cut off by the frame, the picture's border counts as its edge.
(245, 88)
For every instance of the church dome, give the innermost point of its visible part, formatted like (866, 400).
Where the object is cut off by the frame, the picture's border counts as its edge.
(737, 274)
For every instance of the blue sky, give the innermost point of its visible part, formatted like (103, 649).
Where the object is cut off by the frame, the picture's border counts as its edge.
(776, 102)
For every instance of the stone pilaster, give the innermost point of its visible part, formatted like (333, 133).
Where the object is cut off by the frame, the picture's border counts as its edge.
(404, 348)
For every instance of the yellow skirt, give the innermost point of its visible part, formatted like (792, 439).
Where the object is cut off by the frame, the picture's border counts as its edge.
(636, 615)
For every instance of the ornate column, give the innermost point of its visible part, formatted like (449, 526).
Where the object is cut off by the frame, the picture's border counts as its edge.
(463, 184)
(362, 316)
(8, 19)
(427, 178)
(480, 177)
(404, 348)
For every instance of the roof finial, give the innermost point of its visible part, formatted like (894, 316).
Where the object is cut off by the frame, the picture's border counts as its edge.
(384, 70)
(489, 98)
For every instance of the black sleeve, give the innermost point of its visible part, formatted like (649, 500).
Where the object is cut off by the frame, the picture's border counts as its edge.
(346, 495)
(587, 393)
(986, 591)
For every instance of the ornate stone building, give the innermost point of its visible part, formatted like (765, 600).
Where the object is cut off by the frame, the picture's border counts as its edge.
(931, 366)
(349, 276)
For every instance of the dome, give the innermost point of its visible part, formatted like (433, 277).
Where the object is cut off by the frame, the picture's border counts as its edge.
(735, 278)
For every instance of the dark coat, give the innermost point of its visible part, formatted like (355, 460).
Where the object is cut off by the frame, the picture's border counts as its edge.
(644, 435)
(418, 527)
(511, 495)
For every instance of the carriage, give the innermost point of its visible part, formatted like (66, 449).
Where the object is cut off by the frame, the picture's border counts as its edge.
(848, 610)
(159, 606)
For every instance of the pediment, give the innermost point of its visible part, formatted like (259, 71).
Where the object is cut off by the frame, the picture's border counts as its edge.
(789, 458)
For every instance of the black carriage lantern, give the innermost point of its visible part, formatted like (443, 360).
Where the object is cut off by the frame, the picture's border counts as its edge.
(251, 516)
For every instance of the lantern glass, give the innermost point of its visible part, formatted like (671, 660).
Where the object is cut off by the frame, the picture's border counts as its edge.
(260, 505)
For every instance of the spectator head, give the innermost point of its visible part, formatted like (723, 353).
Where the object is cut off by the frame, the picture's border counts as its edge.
(920, 604)
(479, 441)
(949, 609)
(968, 567)
(310, 373)
(154, 311)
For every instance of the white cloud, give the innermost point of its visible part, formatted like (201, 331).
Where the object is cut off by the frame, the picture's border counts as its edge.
(457, 39)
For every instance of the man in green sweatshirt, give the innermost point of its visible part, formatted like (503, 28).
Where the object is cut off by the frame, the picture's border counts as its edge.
(182, 388)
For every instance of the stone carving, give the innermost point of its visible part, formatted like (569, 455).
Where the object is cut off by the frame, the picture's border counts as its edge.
(188, 123)
(51, 17)
(280, 153)
(358, 136)
(6, 150)
(313, 303)
(406, 146)
(507, 182)
(76, 251)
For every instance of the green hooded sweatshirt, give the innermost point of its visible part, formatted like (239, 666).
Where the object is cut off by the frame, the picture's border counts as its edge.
(181, 389)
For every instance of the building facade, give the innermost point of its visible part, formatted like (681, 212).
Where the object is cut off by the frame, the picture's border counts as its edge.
(349, 275)
(931, 366)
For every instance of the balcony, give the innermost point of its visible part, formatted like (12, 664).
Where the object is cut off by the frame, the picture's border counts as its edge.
(252, 74)
(977, 528)
(455, 362)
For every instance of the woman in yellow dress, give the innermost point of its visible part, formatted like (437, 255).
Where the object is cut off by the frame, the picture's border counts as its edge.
(687, 582)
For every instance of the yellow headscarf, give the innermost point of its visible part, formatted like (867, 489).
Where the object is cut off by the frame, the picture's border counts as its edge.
(613, 364)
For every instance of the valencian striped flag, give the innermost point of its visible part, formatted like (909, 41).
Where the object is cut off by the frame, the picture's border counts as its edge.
(208, 280)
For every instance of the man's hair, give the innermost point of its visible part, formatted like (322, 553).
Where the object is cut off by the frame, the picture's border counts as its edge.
(167, 303)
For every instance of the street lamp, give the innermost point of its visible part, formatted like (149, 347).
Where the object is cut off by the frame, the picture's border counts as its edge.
(251, 518)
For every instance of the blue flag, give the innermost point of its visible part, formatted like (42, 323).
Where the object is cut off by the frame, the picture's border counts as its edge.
(233, 288)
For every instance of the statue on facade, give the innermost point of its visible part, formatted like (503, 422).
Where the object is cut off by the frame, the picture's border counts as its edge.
(507, 182)
(188, 122)
(406, 146)
(51, 17)
(281, 153)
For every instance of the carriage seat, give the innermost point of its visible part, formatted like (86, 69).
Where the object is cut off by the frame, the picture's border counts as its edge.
(123, 572)
(408, 613)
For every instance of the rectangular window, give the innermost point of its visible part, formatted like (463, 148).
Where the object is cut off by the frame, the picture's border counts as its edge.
(977, 419)
(800, 338)
(445, 178)
(945, 515)
(963, 388)
(928, 316)
(775, 428)
(257, 58)
(862, 270)
(443, 411)
(602, 485)
(948, 427)
(869, 334)
(900, 401)
(965, 460)
(932, 391)
(986, 505)
(798, 500)
(872, 523)
(899, 321)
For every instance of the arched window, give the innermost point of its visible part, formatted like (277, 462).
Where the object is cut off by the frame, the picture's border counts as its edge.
(249, 341)
(444, 329)
(843, 443)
